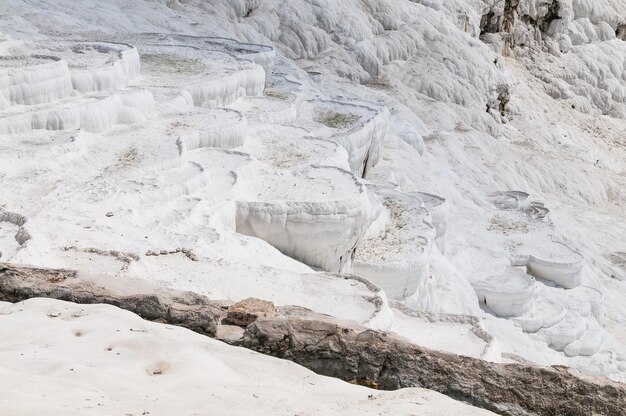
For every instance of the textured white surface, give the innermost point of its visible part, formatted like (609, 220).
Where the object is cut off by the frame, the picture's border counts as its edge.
(508, 293)
(317, 215)
(537, 110)
(397, 258)
(96, 359)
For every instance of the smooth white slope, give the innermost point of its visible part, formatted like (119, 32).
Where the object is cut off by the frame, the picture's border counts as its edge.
(96, 359)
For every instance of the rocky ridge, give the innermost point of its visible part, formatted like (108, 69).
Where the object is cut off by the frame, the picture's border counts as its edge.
(341, 349)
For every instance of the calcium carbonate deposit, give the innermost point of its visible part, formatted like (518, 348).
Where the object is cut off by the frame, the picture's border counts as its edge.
(453, 171)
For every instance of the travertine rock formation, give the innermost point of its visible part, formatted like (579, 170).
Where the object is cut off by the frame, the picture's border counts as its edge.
(342, 349)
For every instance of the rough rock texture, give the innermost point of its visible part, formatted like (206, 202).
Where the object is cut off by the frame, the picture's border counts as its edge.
(248, 310)
(343, 350)
(379, 360)
(620, 32)
(512, 15)
(18, 283)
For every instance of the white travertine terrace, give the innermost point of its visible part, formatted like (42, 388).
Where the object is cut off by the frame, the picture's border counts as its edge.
(551, 261)
(532, 242)
(508, 293)
(202, 181)
(95, 66)
(213, 79)
(397, 257)
(317, 214)
(93, 113)
(259, 54)
(518, 200)
(281, 87)
(262, 55)
(31, 80)
(597, 301)
(510, 200)
(433, 331)
(438, 209)
(574, 331)
(342, 295)
(59, 146)
(267, 109)
(286, 147)
(553, 87)
(220, 128)
(360, 129)
(52, 70)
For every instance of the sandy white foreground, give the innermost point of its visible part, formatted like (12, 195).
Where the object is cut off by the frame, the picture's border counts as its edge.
(99, 360)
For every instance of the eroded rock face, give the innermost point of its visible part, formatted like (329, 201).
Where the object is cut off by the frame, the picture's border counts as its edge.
(500, 103)
(248, 310)
(397, 257)
(300, 215)
(620, 32)
(379, 360)
(507, 16)
(177, 308)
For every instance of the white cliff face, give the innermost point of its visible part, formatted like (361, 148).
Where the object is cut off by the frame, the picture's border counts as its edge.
(397, 258)
(121, 64)
(496, 129)
(33, 80)
(95, 113)
(221, 128)
(317, 215)
(508, 293)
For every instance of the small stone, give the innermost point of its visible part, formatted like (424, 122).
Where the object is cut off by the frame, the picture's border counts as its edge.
(229, 333)
(109, 214)
(248, 310)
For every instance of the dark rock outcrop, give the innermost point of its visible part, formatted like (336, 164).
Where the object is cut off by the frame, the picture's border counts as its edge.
(184, 309)
(509, 19)
(247, 311)
(341, 349)
(620, 32)
(383, 361)
(501, 103)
